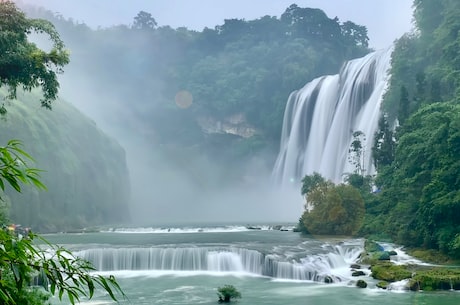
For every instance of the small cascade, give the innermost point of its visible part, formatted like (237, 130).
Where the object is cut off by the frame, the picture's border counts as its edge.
(224, 261)
(178, 259)
(321, 117)
(309, 267)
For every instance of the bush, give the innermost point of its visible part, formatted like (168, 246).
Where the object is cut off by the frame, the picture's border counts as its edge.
(227, 292)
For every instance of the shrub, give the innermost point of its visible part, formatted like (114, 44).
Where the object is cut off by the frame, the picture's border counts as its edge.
(227, 292)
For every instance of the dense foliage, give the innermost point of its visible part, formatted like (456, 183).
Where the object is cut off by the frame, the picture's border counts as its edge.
(244, 67)
(22, 63)
(228, 292)
(330, 209)
(23, 263)
(418, 202)
(30, 274)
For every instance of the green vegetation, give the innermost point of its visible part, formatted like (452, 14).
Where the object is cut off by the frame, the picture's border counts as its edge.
(330, 209)
(250, 67)
(227, 293)
(419, 277)
(86, 171)
(72, 149)
(21, 261)
(418, 164)
(435, 279)
(417, 201)
(390, 272)
(22, 63)
(244, 67)
(29, 275)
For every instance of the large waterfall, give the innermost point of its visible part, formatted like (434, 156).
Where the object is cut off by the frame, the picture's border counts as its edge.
(320, 119)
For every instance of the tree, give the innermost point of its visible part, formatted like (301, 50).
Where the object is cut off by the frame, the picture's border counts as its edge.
(311, 181)
(144, 21)
(420, 189)
(383, 150)
(22, 63)
(356, 151)
(355, 34)
(331, 209)
(227, 293)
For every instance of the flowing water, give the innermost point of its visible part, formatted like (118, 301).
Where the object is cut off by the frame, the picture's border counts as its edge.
(186, 266)
(321, 117)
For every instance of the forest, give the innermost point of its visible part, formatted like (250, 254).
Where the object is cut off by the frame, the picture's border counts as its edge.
(418, 164)
(247, 68)
(416, 200)
(239, 75)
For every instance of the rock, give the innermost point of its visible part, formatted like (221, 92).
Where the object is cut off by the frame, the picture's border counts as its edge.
(384, 256)
(386, 271)
(361, 284)
(382, 284)
(328, 279)
(358, 273)
(372, 246)
(355, 266)
(436, 278)
(392, 252)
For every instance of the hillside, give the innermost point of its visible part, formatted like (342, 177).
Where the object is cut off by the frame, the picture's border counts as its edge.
(85, 170)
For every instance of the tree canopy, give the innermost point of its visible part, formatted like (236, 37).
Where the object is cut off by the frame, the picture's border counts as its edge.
(417, 145)
(330, 209)
(24, 64)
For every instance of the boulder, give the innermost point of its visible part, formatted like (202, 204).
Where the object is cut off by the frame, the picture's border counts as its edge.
(361, 284)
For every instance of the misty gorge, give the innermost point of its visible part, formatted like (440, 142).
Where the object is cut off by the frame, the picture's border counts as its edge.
(285, 155)
(177, 157)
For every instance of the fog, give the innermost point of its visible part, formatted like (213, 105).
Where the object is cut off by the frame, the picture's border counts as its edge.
(170, 188)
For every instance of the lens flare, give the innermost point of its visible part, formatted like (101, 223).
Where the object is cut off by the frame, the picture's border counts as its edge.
(184, 99)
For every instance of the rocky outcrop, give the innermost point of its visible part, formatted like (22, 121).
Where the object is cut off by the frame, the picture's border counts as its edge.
(235, 124)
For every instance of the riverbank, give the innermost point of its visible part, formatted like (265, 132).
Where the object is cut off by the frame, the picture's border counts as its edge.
(437, 272)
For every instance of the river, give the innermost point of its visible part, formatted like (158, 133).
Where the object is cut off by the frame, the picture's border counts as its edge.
(186, 265)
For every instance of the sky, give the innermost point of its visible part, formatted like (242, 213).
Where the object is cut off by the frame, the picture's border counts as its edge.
(386, 20)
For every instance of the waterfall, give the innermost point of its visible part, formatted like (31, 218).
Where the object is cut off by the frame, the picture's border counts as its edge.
(320, 118)
(311, 267)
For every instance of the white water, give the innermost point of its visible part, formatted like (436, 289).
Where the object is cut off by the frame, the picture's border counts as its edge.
(320, 119)
(288, 263)
(268, 267)
(202, 229)
(244, 253)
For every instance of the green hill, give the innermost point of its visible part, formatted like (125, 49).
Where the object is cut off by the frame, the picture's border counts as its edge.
(85, 170)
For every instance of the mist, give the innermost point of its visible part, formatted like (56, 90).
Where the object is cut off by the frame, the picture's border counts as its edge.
(169, 184)
(170, 188)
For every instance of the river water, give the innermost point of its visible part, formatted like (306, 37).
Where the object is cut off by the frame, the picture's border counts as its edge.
(186, 265)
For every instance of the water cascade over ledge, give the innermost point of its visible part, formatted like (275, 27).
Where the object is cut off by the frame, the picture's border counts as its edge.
(320, 119)
(329, 265)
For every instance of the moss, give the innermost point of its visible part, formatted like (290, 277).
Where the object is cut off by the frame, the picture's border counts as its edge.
(436, 279)
(389, 272)
(372, 246)
(432, 256)
(382, 284)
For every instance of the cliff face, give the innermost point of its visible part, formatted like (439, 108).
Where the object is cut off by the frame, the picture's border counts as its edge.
(85, 171)
(235, 124)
